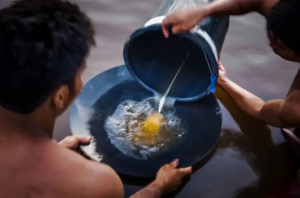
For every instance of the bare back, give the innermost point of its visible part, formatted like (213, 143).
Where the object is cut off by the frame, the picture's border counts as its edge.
(43, 169)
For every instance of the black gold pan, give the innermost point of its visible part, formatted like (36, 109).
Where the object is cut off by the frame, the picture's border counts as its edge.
(99, 99)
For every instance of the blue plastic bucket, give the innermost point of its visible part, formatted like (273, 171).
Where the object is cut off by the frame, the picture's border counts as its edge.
(154, 60)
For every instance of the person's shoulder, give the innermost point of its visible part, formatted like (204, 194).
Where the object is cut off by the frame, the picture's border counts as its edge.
(105, 182)
(90, 179)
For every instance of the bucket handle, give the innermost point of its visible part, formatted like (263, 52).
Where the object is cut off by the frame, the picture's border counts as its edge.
(212, 83)
(212, 76)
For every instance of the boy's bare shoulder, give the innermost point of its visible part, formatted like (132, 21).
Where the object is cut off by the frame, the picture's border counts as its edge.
(87, 178)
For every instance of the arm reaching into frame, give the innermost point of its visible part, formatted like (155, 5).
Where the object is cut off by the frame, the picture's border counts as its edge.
(186, 19)
(278, 113)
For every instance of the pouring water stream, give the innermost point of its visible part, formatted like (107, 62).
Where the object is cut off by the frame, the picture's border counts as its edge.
(163, 98)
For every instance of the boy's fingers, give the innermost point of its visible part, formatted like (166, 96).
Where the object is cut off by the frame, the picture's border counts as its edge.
(175, 163)
(186, 171)
(84, 139)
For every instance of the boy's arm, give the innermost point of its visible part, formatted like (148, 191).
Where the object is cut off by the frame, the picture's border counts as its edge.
(238, 7)
(186, 19)
(278, 113)
(167, 179)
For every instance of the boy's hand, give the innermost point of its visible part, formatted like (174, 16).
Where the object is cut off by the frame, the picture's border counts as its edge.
(169, 177)
(72, 142)
(222, 74)
(183, 20)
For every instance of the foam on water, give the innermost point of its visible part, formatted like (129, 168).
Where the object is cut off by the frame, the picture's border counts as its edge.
(124, 127)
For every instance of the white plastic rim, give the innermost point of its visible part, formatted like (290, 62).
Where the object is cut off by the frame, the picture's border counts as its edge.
(155, 20)
(202, 33)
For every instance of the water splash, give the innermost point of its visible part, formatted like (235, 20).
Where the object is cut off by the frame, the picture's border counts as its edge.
(124, 129)
(80, 128)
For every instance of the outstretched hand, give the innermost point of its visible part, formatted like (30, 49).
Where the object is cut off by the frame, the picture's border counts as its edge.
(169, 176)
(167, 179)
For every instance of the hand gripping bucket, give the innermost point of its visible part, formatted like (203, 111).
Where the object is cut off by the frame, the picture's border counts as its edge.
(154, 60)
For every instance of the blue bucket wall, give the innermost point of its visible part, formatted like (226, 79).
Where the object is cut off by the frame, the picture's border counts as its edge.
(154, 60)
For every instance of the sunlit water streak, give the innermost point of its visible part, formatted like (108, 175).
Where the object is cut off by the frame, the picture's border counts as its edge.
(163, 98)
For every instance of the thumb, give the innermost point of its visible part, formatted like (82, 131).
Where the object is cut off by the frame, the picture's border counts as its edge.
(186, 171)
(84, 140)
(73, 141)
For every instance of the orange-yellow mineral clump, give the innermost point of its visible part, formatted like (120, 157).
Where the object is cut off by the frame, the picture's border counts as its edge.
(151, 126)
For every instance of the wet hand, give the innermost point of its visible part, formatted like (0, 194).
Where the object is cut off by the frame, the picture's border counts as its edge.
(72, 142)
(169, 177)
(183, 20)
(222, 74)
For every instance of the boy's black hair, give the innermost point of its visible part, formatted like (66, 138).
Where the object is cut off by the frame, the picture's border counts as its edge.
(284, 23)
(43, 44)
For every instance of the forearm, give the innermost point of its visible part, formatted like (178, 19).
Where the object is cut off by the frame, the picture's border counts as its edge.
(269, 112)
(231, 7)
(247, 101)
(151, 191)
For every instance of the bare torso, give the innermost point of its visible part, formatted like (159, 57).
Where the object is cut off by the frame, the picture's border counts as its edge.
(39, 168)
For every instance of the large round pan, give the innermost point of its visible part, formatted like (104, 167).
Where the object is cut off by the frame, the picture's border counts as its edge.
(99, 99)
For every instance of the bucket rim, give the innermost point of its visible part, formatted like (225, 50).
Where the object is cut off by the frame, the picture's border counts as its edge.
(197, 39)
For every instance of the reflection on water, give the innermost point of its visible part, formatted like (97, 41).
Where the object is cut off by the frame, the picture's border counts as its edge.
(125, 129)
(263, 150)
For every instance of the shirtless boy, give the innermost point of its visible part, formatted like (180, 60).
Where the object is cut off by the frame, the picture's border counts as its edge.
(43, 50)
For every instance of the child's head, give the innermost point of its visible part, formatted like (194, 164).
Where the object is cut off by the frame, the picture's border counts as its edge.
(43, 48)
(283, 26)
